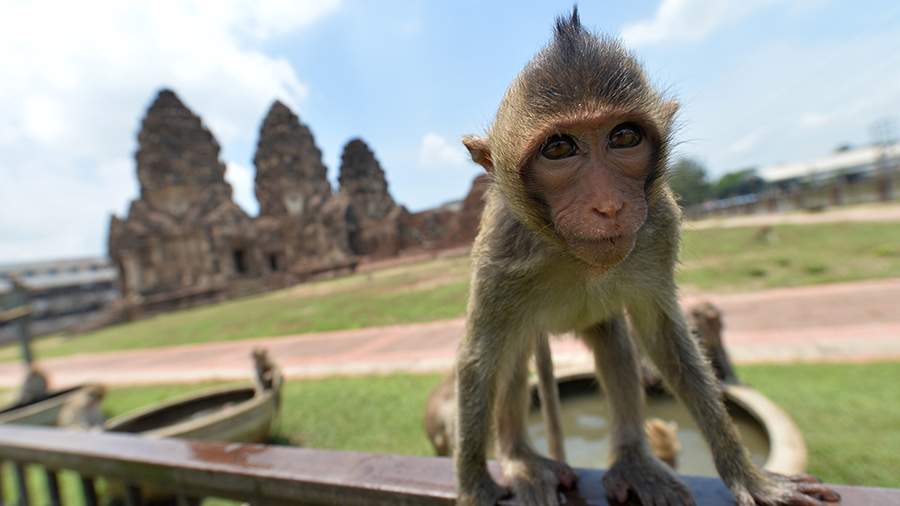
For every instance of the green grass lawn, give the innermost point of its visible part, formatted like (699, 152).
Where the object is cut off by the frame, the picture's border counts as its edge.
(848, 414)
(728, 259)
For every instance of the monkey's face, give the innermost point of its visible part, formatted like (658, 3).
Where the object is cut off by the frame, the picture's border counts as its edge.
(591, 176)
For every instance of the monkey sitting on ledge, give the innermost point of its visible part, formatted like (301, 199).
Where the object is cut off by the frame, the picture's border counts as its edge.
(34, 386)
(580, 228)
(83, 410)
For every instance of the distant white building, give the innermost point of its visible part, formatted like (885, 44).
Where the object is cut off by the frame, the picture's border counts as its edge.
(847, 176)
(852, 163)
(61, 292)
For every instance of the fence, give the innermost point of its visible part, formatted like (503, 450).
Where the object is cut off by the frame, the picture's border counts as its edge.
(270, 475)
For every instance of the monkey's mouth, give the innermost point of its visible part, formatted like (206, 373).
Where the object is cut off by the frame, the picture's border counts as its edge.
(603, 251)
(612, 238)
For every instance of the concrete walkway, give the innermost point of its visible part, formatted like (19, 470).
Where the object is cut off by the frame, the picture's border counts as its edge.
(841, 322)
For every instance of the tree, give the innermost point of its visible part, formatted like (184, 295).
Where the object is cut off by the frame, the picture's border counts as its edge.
(740, 182)
(689, 181)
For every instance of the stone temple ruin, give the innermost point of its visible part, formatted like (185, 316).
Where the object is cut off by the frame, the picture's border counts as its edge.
(301, 227)
(185, 240)
(184, 237)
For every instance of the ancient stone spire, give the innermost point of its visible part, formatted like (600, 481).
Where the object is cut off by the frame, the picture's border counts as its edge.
(376, 225)
(362, 181)
(290, 176)
(184, 239)
(175, 148)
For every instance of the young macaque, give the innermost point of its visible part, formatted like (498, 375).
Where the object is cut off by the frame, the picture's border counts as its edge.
(579, 228)
(706, 319)
(83, 411)
(663, 439)
(264, 369)
(440, 416)
(33, 387)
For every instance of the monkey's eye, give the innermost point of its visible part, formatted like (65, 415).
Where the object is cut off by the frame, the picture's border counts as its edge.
(559, 146)
(626, 135)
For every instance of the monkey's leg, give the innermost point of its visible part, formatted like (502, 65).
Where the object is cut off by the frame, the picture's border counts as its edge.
(662, 328)
(549, 394)
(476, 386)
(534, 479)
(634, 466)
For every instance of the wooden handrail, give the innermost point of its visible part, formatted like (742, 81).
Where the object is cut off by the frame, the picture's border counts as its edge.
(15, 313)
(269, 475)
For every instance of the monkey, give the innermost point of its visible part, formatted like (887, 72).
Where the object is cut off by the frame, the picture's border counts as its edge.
(706, 319)
(580, 229)
(663, 439)
(765, 235)
(440, 416)
(83, 411)
(265, 370)
(440, 407)
(34, 386)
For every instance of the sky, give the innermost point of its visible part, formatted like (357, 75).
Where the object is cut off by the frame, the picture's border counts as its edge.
(759, 82)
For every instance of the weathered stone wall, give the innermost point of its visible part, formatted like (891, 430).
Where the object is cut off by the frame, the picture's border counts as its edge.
(450, 225)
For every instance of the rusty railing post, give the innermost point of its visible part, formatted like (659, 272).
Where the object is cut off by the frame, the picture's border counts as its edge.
(133, 496)
(52, 487)
(21, 484)
(88, 491)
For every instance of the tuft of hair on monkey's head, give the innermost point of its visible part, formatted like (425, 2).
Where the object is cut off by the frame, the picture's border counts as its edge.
(579, 77)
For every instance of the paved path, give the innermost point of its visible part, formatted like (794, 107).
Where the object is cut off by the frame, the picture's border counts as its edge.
(841, 322)
(861, 213)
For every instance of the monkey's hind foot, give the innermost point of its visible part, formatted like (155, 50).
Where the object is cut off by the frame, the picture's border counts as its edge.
(648, 478)
(778, 490)
(535, 480)
(486, 493)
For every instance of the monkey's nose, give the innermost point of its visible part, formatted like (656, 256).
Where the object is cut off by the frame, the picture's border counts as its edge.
(608, 209)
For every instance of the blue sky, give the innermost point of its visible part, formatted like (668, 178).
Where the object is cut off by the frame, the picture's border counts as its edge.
(759, 82)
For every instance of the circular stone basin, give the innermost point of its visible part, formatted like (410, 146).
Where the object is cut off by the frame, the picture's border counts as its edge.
(771, 437)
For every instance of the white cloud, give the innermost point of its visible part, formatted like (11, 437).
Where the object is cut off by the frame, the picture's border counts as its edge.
(747, 142)
(686, 20)
(842, 111)
(435, 151)
(77, 76)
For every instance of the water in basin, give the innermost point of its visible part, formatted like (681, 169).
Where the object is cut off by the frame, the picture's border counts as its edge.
(586, 429)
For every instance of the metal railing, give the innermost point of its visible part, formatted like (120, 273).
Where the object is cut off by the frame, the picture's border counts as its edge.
(272, 475)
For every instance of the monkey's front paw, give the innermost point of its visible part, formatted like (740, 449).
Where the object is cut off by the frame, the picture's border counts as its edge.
(778, 490)
(648, 478)
(535, 480)
(486, 493)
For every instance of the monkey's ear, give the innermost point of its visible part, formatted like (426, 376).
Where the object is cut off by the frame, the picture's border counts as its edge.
(669, 109)
(479, 151)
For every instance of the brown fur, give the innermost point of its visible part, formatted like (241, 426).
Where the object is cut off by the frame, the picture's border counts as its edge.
(440, 408)
(706, 319)
(33, 387)
(440, 416)
(663, 439)
(528, 282)
(83, 411)
(264, 369)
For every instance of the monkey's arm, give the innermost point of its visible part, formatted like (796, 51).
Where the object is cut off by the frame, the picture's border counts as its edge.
(633, 465)
(660, 324)
(476, 386)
